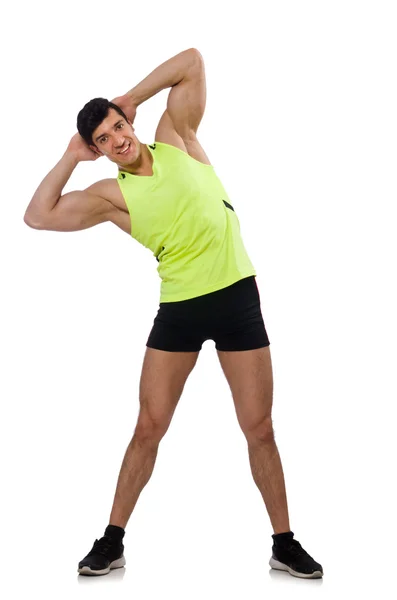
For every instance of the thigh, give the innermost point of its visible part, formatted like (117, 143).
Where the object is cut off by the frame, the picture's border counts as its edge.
(241, 326)
(175, 328)
(250, 377)
(163, 378)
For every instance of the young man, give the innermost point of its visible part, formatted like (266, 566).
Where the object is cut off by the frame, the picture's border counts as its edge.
(168, 197)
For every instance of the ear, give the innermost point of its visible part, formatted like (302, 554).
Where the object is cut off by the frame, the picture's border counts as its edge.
(95, 149)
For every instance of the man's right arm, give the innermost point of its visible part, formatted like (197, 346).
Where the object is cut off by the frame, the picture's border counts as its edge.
(77, 210)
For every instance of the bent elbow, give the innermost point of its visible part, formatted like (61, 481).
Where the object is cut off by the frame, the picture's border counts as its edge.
(196, 52)
(195, 58)
(32, 222)
(198, 56)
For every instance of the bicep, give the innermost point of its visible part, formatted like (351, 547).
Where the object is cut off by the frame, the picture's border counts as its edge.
(167, 134)
(186, 100)
(78, 210)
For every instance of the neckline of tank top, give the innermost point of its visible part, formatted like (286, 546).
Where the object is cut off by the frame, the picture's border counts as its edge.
(152, 147)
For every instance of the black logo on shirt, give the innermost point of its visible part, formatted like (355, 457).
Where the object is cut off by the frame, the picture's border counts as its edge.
(153, 147)
(157, 257)
(228, 205)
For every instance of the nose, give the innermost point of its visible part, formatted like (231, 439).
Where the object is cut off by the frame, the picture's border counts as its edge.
(119, 143)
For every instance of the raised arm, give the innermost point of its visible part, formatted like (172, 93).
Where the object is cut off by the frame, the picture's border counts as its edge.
(51, 210)
(185, 75)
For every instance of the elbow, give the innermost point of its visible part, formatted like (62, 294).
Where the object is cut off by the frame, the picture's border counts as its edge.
(195, 57)
(195, 53)
(198, 57)
(32, 221)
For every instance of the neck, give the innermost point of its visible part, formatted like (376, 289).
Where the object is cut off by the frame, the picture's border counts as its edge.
(143, 164)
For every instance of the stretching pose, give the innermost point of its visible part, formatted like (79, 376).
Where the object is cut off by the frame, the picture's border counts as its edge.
(168, 197)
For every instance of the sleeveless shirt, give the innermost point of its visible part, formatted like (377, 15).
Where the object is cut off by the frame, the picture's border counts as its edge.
(182, 213)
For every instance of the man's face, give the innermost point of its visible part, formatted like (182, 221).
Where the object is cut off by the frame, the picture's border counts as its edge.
(115, 138)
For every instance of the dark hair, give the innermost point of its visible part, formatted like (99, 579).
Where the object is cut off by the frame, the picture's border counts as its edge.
(92, 115)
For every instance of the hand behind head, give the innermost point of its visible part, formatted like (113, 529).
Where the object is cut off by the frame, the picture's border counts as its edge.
(127, 106)
(80, 150)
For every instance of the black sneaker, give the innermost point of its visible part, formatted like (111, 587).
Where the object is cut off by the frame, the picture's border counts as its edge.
(106, 554)
(288, 555)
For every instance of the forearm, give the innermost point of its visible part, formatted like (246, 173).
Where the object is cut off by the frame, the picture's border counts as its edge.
(167, 75)
(50, 189)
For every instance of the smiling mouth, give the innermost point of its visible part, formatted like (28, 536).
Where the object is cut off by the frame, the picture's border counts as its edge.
(126, 149)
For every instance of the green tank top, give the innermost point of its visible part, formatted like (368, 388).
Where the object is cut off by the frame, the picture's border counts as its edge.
(183, 215)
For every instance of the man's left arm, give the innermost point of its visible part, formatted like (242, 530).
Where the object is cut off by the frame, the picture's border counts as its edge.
(185, 75)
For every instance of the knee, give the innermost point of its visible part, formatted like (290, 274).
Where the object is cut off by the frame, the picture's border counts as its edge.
(260, 432)
(149, 430)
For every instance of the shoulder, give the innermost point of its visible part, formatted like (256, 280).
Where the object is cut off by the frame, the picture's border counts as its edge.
(105, 188)
(191, 148)
(166, 134)
(109, 190)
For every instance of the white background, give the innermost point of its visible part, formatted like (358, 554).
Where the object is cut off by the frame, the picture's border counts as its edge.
(301, 128)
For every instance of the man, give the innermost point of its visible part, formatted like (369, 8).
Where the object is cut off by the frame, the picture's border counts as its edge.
(168, 197)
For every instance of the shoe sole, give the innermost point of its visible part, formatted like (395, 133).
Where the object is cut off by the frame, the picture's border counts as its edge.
(116, 564)
(275, 564)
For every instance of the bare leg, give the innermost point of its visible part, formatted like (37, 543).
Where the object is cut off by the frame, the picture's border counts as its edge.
(249, 374)
(164, 375)
(268, 475)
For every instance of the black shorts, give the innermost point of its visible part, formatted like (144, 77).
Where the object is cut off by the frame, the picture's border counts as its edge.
(231, 317)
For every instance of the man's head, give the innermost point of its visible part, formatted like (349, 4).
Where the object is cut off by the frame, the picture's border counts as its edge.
(105, 127)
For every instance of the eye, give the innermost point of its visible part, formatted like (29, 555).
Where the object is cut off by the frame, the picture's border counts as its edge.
(120, 125)
(102, 140)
